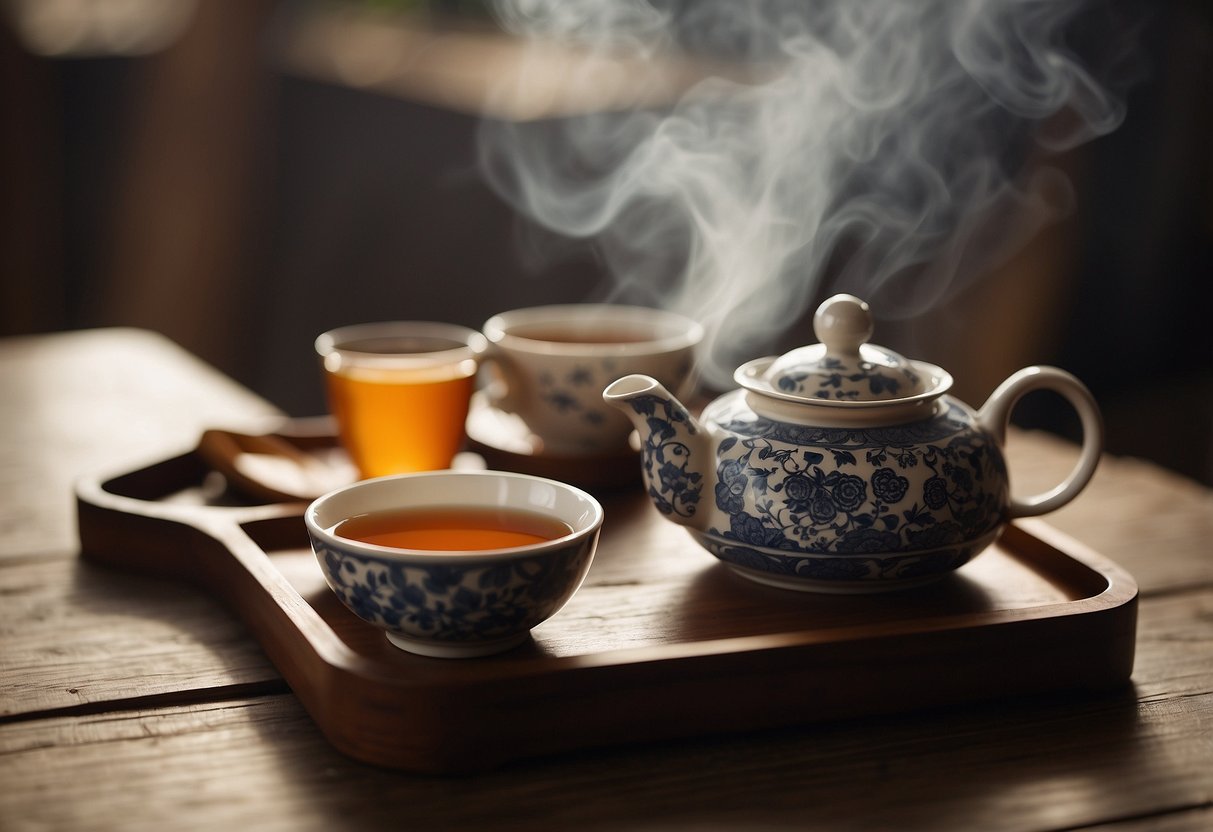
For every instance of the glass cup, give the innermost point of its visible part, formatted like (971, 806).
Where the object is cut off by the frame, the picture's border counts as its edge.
(400, 392)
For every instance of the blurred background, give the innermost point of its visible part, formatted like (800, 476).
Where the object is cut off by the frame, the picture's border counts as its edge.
(241, 176)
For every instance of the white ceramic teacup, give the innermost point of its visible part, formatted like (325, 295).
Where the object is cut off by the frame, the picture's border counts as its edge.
(552, 362)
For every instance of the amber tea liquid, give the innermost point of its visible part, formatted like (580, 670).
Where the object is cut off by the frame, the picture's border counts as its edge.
(400, 421)
(452, 528)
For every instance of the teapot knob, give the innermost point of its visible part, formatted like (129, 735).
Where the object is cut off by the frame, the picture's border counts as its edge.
(842, 323)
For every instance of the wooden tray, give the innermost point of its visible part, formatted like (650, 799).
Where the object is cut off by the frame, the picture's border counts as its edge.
(661, 641)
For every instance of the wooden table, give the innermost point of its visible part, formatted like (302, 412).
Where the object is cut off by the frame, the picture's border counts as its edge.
(132, 703)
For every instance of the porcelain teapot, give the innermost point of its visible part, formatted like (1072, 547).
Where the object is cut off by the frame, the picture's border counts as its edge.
(842, 466)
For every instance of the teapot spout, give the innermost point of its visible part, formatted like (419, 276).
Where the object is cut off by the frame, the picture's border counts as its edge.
(674, 446)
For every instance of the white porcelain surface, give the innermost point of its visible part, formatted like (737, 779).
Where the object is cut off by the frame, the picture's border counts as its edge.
(843, 372)
(844, 467)
(555, 387)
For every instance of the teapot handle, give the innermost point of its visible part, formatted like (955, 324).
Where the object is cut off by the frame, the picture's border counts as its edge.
(995, 414)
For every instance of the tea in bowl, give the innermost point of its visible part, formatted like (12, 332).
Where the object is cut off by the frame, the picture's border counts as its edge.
(551, 363)
(455, 564)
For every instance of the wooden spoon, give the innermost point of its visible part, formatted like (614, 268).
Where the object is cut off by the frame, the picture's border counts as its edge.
(269, 467)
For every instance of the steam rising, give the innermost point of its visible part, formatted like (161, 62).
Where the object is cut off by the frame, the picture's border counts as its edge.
(878, 145)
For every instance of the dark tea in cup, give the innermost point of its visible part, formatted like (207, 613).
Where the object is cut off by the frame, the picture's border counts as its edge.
(571, 335)
(452, 528)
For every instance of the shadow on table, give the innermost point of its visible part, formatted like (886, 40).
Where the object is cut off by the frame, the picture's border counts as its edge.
(1062, 760)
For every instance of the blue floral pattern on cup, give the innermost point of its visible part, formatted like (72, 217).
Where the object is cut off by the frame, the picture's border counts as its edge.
(474, 601)
(573, 393)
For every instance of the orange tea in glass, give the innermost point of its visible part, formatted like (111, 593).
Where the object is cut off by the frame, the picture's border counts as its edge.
(400, 392)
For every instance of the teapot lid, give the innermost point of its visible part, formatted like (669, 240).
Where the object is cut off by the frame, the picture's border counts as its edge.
(843, 370)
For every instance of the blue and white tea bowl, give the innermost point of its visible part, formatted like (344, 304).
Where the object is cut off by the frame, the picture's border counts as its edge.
(456, 604)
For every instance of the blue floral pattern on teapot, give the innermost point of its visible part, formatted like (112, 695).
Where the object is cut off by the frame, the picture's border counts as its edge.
(818, 475)
(856, 490)
(802, 489)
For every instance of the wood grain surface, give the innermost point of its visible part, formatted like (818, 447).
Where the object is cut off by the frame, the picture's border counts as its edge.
(1054, 763)
(89, 401)
(223, 755)
(81, 637)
